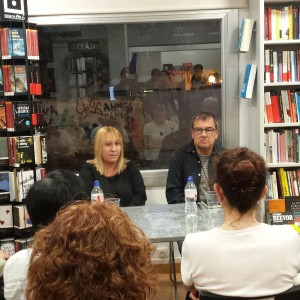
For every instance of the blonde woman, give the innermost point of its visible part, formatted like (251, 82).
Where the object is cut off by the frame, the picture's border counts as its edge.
(118, 176)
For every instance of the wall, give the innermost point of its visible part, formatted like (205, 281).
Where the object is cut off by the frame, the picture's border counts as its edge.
(59, 7)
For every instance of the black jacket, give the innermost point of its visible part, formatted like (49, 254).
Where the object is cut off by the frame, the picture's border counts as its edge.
(185, 162)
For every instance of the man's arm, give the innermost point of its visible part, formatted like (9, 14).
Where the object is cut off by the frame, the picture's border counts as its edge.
(175, 181)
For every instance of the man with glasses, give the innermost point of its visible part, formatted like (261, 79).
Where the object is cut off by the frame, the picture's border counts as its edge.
(195, 159)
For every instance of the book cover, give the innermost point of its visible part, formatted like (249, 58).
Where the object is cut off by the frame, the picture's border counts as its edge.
(6, 216)
(12, 185)
(21, 115)
(284, 182)
(4, 186)
(16, 43)
(2, 116)
(20, 150)
(1, 81)
(282, 218)
(19, 213)
(25, 179)
(268, 108)
(248, 82)
(7, 246)
(245, 35)
(292, 203)
(23, 243)
(20, 79)
(275, 106)
(275, 205)
(3, 151)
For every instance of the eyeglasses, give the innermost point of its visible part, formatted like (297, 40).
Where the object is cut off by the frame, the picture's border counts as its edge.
(208, 130)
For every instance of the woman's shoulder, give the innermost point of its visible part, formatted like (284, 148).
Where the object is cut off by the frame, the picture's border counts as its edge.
(88, 166)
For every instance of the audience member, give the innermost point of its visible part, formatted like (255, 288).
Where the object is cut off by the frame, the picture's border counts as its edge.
(156, 130)
(153, 81)
(241, 258)
(194, 159)
(118, 176)
(91, 251)
(198, 79)
(43, 201)
(128, 82)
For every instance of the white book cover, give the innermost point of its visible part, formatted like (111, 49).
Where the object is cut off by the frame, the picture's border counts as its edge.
(245, 35)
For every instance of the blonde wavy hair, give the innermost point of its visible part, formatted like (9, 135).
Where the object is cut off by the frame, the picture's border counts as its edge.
(91, 251)
(102, 137)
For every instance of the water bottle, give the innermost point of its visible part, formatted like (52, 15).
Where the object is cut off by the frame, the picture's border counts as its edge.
(190, 195)
(97, 193)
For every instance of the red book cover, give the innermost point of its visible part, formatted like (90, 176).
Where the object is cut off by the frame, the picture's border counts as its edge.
(28, 43)
(9, 116)
(275, 107)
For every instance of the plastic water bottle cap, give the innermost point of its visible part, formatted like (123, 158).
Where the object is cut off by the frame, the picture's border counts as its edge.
(190, 178)
(97, 183)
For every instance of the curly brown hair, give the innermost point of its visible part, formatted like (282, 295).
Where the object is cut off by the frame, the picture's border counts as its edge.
(91, 251)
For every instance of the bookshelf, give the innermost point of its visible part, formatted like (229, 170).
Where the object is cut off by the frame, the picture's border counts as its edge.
(22, 146)
(278, 76)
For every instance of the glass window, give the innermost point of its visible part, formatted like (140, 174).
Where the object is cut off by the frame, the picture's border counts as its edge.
(146, 79)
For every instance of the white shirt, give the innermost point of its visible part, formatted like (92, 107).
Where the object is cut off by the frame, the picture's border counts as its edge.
(258, 261)
(15, 275)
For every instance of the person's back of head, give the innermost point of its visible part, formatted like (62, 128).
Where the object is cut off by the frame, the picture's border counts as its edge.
(241, 173)
(45, 197)
(91, 251)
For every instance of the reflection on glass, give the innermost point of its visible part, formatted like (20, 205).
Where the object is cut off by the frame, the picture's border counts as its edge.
(147, 81)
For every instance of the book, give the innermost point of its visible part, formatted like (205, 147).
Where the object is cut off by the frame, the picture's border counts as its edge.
(6, 216)
(1, 81)
(275, 106)
(21, 116)
(248, 82)
(7, 245)
(20, 150)
(2, 116)
(25, 179)
(282, 218)
(4, 186)
(16, 44)
(292, 203)
(20, 79)
(23, 243)
(3, 151)
(40, 151)
(21, 217)
(245, 35)
(268, 108)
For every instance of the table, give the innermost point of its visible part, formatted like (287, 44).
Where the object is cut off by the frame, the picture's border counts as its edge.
(166, 223)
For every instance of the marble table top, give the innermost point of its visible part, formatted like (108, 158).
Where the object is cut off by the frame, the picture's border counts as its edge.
(167, 222)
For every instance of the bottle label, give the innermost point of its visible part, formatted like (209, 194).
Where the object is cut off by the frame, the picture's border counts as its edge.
(190, 193)
(97, 198)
